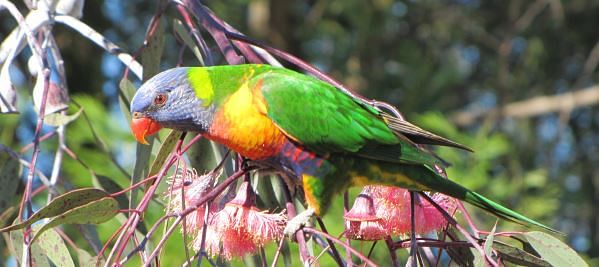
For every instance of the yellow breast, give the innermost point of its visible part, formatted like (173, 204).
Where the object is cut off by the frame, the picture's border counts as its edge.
(241, 124)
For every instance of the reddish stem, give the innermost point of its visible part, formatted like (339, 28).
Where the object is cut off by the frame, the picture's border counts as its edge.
(278, 252)
(453, 222)
(336, 255)
(336, 240)
(299, 236)
(42, 138)
(392, 252)
(134, 219)
(133, 186)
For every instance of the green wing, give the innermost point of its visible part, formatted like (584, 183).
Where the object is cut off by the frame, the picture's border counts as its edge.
(324, 119)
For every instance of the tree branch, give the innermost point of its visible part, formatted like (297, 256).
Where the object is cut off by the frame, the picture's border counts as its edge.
(534, 106)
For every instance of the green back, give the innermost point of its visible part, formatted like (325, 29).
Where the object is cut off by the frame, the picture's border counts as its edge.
(324, 119)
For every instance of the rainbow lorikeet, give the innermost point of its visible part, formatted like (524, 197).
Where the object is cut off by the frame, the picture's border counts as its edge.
(301, 126)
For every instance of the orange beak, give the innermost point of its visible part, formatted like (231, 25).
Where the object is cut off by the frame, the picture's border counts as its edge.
(142, 127)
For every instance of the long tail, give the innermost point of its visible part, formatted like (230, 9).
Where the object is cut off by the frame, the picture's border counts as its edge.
(445, 186)
(421, 178)
(500, 211)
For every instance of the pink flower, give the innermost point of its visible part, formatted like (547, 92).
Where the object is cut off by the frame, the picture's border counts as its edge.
(391, 205)
(185, 190)
(361, 222)
(241, 228)
(234, 243)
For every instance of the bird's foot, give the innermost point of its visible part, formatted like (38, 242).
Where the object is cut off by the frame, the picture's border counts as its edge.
(297, 222)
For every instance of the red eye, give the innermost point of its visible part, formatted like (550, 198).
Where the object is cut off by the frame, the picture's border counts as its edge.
(160, 99)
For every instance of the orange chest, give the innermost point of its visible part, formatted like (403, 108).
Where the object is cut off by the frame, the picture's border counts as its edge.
(241, 124)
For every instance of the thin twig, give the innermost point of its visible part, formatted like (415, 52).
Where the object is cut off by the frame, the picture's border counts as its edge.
(44, 137)
(142, 206)
(413, 245)
(147, 237)
(299, 236)
(163, 240)
(453, 222)
(347, 240)
(334, 251)
(392, 252)
(204, 231)
(57, 158)
(196, 34)
(277, 253)
(334, 239)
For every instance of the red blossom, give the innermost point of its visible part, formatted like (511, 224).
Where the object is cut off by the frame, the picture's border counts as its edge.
(390, 208)
(187, 188)
(361, 222)
(241, 214)
(239, 228)
(234, 243)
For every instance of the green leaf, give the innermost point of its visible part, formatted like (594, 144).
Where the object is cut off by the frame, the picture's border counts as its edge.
(55, 248)
(38, 255)
(204, 155)
(7, 215)
(479, 260)
(150, 60)
(61, 205)
(110, 186)
(553, 250)
(59, 119)
(489, 242)
(165, 149)
(184, 35)
(252, 260)
(86, 260)
(10, 176)
(95, 212)
(126, 93)
(518, 256)
(267, 196)
(152, 52)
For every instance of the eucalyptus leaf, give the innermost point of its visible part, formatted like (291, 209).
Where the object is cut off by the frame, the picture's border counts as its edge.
(186, 38)
(87, 260)
(60, 205)
(38, 255)
(59, 119)
(55, 248)
(203, 156)
(164, 151)
(488, 247)
(8, 93)
(553, 250)
(518, 256)
(110, 186)
(95, 212)
(10, 173)
(7, 215)
(126, 92)
(479, 260)
(150, 59)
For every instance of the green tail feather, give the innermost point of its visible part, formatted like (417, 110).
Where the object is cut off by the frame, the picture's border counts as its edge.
(450, 188)
(500, 211)
(422, 178)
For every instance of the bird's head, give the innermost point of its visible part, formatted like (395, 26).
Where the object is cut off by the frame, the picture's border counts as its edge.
(175, 99)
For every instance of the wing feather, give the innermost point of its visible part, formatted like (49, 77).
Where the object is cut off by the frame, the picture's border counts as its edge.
(325, 120)
(418, 134)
